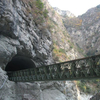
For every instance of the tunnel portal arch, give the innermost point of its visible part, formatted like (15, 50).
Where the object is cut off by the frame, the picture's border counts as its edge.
(20, 63)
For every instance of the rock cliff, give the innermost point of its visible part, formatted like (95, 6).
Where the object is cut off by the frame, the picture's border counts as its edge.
(19, 35)
(25, 31)
(85, 31)
(64, 12)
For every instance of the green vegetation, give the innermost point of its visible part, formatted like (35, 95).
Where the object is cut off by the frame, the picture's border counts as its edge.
(38, 11)
(41, 8)
(56, 58)
(39, 4)
(79, 49)
(73, 22)
(71, 44)
(62, 50)
(83, 87)
(59, 54)
(89, 86)
(31, 4)
(45, 13)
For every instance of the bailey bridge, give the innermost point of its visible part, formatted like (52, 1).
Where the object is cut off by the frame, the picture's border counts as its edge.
(84, 68)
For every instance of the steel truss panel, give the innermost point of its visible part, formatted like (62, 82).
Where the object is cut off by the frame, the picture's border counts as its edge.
(85, 68)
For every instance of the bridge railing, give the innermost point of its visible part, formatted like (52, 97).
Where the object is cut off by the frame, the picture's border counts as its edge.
(84, 68)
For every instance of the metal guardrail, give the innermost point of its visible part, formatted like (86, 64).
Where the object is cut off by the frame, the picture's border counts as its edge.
(85, 68)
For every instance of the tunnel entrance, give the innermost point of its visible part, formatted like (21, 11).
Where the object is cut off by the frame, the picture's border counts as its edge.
(20, 63)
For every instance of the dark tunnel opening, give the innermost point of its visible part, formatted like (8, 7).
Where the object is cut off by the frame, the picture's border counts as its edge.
(20, 63)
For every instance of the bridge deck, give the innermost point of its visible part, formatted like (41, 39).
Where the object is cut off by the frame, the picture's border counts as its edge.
(85, 68)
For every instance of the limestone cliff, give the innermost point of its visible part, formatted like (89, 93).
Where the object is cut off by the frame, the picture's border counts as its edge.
(20, 35)
(64, 12)
(85, 31)
(25, 31)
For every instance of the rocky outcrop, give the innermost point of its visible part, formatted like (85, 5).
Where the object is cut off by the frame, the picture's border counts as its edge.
(63, 47)
(20, 35)
(64, 12)
(85, 31)
(71, 91)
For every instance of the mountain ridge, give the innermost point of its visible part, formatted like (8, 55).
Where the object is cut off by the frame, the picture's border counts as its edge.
(86, 33)
(64, 12)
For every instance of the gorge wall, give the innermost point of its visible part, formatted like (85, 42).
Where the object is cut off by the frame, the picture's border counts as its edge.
(20, 36)
(23, 32)
(85, 34)
(85, 30)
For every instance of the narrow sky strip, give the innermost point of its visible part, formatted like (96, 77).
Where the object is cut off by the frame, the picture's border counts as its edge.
(77, 7)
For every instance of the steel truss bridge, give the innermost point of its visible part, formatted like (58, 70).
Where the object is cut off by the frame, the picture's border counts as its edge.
(84, 68)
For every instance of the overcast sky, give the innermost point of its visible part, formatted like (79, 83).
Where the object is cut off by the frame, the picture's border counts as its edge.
(77, 7)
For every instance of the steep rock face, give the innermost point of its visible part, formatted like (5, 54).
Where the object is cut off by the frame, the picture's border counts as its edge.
(64, 12)
(71, 91)
(63, 47)
(21, 36)
(86, 33)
